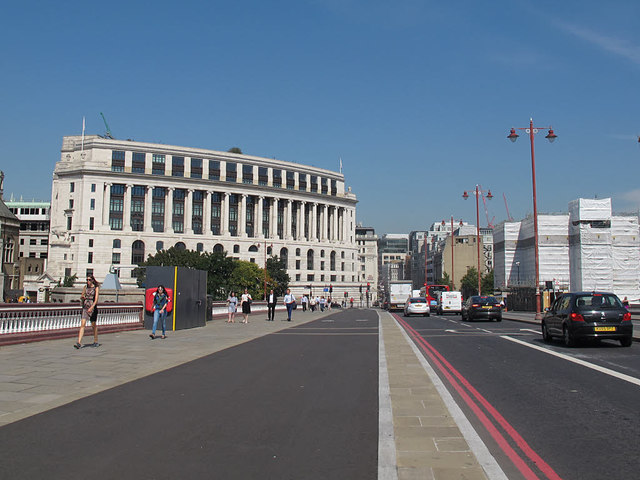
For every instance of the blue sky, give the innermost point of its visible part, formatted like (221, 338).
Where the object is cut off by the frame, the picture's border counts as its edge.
(416, 97)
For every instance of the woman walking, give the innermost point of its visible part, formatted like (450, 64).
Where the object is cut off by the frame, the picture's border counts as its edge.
(89, 299)
(232, 307)
(246, 305)
(160, 301)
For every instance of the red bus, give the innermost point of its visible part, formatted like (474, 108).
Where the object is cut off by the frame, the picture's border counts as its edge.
(429, 291)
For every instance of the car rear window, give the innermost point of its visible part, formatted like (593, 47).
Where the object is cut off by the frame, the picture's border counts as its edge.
(597, 300)
(418, 300)
(486, 300)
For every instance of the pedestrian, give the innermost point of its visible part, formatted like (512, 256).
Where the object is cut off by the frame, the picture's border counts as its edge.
(290, 303)
(323, 303)
(304, 300)
(351, 302)
(89, 299)
(232, 307)
(625, 303)
(272, 300)
(246, 300)
(312, 304)
(160, 302)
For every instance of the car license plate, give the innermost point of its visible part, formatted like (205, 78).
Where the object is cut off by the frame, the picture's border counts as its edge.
(605, 329)
(487, 307)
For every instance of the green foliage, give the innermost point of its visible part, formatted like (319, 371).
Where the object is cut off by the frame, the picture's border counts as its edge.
(235, 150)
(218, 266)
(69, 280)
(277, 277)
(246, 275)
(445, 280)
(469, 283)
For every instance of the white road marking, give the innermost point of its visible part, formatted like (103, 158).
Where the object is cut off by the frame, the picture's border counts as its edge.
(327, 321)
(483, 330)
(362, 320)
(530, 330)
(607, 371)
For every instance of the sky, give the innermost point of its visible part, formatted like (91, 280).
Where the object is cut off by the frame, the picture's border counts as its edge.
(416, 97)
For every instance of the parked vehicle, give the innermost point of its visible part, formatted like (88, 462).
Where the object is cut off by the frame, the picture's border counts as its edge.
(588, 315)
(399, 292)
(449, 302)
(485, 307)
(416, 306)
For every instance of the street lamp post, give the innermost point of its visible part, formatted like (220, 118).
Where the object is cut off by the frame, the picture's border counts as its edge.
(513, 136)
(477, 193)
(518, 265)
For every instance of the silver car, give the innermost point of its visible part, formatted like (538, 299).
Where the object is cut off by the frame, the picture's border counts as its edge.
(417, 306)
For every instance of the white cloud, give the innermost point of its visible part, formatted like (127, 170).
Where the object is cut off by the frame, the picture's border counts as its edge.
(617, 46)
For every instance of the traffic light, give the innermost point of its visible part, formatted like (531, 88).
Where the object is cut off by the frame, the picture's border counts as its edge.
(330, 288)
(368, 286)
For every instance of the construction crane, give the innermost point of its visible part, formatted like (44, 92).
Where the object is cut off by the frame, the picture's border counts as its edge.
(108, 134)
(509, 217)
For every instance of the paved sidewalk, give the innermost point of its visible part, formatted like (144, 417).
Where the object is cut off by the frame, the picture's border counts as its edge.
(43, 375)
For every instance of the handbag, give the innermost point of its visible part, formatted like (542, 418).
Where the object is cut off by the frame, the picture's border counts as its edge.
(295, 305)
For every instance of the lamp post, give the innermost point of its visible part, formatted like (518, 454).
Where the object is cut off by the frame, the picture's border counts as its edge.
(513, 136)
(518, 265)
(478, 191)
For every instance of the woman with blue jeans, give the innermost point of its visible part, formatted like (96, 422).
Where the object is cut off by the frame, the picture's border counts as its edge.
(160, 301)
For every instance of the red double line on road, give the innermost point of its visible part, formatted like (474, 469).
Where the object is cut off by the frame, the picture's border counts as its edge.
(449, 372)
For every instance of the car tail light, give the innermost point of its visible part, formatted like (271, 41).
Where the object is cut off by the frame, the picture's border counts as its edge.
(475, 305)
(627, 317)
(576, 317)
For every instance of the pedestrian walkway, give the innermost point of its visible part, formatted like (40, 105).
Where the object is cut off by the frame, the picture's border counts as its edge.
(39, 376)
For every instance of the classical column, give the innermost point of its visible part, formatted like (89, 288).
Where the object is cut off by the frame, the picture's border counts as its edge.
(126, 214)
(258, 221)
(106, 204)
(314, 222)
(206, 214)
(303, 221)
(224, 214)
(188, 213)
(168, 210)
(323, 223)
(289, 220)
(242, 217)
(148, 205)
(334, 235)
(273, 224)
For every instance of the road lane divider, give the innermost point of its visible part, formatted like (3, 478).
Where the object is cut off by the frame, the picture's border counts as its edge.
(460, 383)
(593, 366)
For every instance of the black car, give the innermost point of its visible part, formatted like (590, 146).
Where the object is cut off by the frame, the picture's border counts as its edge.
(588, 315)
(485, 307)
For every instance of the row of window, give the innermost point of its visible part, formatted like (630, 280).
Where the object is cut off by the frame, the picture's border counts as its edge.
(29, 211)
(315, 184)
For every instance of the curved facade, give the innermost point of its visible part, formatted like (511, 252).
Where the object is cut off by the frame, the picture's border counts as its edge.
(116, 202)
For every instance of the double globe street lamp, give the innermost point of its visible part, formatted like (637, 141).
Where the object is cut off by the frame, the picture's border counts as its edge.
(513, 136)
(477, 192)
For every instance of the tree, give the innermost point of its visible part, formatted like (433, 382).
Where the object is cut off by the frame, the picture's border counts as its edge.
(445, 280)
(469, 283)
(69, 280)
(218, 266)
(487, 283)
(235, 150)
(246, 275)
(277, 277)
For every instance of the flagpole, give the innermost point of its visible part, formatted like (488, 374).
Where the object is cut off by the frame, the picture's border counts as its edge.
(83, 133)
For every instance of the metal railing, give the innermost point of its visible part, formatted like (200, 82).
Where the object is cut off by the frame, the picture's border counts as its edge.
(27, 318)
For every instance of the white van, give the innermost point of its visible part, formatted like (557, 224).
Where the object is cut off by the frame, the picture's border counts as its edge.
(450, 302)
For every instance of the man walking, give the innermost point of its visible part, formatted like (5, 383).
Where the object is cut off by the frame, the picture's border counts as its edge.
(272, 299)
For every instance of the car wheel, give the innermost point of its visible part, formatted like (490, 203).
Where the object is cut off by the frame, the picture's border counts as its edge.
(406, 314)
(626, 341)
(568, 339)
(545, 334)
(428, 314)
(499, 319)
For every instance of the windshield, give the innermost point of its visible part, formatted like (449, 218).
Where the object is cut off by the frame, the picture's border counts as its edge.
(418, 300)
(597, 300)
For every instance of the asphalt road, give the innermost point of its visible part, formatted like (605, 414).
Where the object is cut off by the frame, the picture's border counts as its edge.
(301, 403)
(559, 418)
